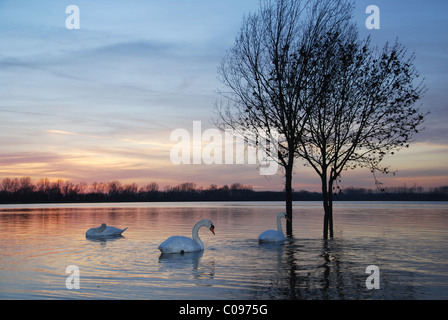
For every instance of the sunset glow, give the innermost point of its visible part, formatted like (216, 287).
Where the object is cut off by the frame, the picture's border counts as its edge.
(99, 103)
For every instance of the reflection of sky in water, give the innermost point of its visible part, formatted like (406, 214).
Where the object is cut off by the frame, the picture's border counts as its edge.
(407, 242)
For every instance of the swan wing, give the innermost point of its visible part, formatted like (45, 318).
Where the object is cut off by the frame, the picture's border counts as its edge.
(113, 231)
(107, 232)
(271, 236)
(179, 244)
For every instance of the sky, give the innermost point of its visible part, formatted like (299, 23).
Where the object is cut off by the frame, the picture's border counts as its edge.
(100, 103)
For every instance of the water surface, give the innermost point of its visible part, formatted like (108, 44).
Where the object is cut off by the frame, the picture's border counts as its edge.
(407, 241)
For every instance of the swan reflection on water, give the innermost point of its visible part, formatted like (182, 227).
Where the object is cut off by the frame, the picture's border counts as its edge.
(103, 240)
(189, 262)
(106, 238)
(181, 257)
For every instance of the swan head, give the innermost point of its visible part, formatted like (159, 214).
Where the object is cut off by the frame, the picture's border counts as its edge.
(284, 215)
(102, 228)
(206, 223)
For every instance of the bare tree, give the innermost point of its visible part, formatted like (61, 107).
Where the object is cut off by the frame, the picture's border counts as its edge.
(130, 188)
(299, 68)
(151, 187)
(363, 108)
(26, 185)
(114, 188)
(98, 187)
(10, 185)
(269, 74)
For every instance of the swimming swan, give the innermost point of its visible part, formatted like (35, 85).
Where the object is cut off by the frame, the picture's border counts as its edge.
(274, 235)
(104, 231)
(180, 244)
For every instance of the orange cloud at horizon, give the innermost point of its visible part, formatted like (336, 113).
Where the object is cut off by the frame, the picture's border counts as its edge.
(421, 165)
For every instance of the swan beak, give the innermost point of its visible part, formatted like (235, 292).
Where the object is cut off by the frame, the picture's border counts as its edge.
(212, 229)
(287, 218)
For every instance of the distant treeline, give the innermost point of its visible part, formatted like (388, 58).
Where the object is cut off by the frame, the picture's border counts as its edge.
(23, 190)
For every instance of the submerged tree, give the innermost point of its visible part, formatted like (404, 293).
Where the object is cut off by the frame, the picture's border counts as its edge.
(299, 68)
(363, 108)
(268, 73)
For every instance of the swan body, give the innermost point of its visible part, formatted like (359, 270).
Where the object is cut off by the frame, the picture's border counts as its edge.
(274, 235)
(104, 231)
(180, 244)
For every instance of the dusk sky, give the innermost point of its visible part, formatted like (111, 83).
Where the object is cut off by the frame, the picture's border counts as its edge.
(99, 103)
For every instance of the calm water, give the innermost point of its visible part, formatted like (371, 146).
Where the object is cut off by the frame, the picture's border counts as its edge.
(407, 241)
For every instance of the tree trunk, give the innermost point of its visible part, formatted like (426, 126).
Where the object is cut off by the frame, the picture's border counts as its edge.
(328, 219)
(326, 204)
(330, 207)
(327, 196)
(326, 215)
(288, 190)
(323, 178)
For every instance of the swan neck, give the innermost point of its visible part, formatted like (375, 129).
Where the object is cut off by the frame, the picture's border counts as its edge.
(196, 228)
(279, 223)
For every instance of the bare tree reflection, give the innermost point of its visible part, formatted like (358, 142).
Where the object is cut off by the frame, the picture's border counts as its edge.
(200, 270)
(319, 269)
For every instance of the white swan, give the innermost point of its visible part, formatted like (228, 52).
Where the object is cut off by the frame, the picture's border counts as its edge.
(274, 235)
(104, 231)
(180, 244)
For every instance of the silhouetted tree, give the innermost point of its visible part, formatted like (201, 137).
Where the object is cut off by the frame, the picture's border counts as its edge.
(59, 191)
(363, 107)
(298, 67)
(269, 74)
(98, 187)
(26, 187)
(10, 185)
(114, 188)
(151, 187)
